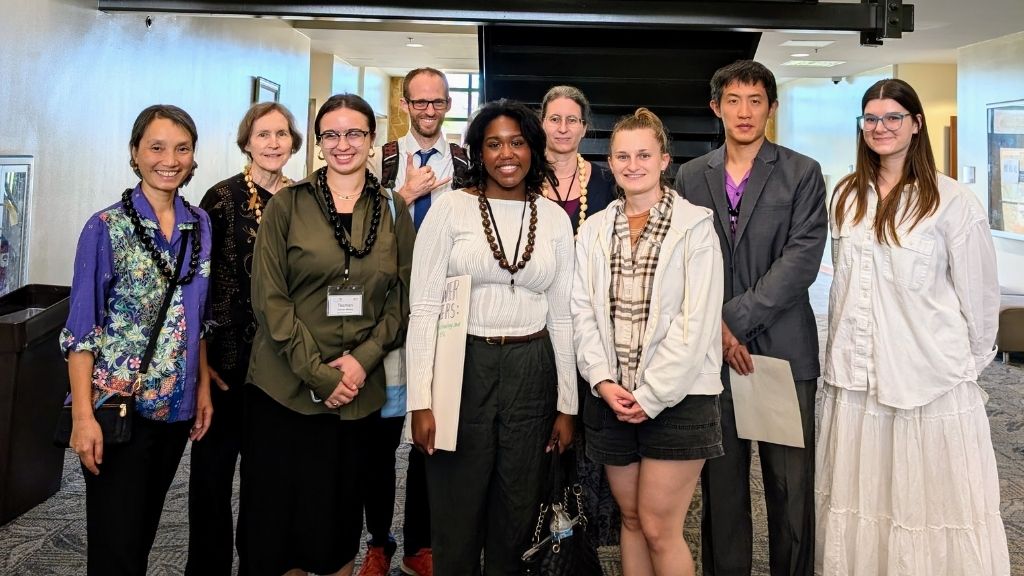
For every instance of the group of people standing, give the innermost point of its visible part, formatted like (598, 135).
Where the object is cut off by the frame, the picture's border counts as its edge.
(607, 309)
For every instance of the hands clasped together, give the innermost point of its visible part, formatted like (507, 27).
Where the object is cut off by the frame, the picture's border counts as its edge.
(353, 377)
(622, 402)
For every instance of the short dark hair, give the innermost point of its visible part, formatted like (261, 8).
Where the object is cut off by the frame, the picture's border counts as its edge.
(572, 93)
(745, 72)
(259, 110)
(533, 132)
(353, 101)
(168, 112)
(425, 70)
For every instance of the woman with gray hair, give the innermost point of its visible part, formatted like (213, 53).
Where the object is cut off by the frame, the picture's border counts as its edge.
(267, 136)
(583, 188)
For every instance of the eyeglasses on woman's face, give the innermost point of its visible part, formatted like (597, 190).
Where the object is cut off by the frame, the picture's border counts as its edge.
(570, 121)
(892, 121)
(354, 137)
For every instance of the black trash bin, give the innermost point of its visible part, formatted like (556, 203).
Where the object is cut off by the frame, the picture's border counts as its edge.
(33, 384)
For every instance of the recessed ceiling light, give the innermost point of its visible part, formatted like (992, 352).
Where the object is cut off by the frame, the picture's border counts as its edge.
(808, 43)
(800, 55)
(411, 44)
(814, 63)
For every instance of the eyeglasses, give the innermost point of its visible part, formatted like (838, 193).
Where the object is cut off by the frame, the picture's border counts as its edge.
(440, 104)
(355, 137)
(892, 121)
(571, 121)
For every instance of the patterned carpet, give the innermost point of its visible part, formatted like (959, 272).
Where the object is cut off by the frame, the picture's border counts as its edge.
(50, 539)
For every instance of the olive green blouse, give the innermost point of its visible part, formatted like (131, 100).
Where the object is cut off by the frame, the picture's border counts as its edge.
(295, 260)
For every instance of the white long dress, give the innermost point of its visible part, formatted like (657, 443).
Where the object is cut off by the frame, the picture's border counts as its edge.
(906, 479)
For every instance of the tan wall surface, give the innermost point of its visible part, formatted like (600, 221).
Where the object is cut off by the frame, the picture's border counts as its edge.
(398, 120)
(76, 78)
(935, 84)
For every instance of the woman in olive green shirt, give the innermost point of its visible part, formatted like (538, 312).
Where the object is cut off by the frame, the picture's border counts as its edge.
(330, 292)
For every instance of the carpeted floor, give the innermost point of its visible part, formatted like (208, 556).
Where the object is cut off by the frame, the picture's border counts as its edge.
(50, 539)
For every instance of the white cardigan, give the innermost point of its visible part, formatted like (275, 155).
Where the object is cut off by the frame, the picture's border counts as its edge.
(682, 347)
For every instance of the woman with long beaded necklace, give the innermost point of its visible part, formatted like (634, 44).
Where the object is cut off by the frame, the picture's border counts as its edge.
(330, 285)
(583, 188)
(142, 269)
(267, 136)
(519, 387)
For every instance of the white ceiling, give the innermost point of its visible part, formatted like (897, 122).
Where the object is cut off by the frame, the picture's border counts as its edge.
(383, 45)
(942, 26)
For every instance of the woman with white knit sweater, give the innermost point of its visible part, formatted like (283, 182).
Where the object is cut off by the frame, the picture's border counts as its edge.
(646, 305)
(519, 387)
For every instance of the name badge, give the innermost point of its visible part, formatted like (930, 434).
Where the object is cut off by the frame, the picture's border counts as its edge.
(345, 301)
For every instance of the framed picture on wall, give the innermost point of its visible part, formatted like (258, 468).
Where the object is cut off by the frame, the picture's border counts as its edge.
(264, 90)
(1006, 168)
(15, 185)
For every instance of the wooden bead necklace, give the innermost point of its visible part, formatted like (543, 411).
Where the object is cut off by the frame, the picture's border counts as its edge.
(494, 236)
(255, 204)
(581, 170)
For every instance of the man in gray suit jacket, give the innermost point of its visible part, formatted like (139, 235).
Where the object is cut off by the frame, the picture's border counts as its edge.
(769, 205)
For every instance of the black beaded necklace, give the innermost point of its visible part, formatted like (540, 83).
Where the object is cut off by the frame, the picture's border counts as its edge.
(165, 268)
(335, 220)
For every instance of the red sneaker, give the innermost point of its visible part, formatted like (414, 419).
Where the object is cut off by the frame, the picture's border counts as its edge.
(376, 563)
(420, 564)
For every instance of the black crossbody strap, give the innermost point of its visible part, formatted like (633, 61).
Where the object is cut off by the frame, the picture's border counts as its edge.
(168, 295)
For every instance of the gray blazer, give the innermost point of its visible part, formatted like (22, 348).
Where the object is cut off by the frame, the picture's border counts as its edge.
(776, 255)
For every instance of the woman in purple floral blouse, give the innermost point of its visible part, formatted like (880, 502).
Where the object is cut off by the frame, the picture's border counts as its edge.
(126, 260)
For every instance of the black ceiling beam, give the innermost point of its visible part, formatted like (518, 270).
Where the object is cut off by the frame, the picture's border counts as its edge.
(873, 18)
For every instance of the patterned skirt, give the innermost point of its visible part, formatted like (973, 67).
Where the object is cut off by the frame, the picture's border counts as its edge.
(909, 492)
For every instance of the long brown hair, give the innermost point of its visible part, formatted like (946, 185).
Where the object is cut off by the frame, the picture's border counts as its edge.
(916, 194)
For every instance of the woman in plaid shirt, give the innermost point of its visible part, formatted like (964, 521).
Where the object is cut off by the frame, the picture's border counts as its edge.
(646, 305)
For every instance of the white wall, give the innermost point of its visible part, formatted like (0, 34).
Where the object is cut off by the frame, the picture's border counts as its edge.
(329, 74)
(76, 78)
(818, 118)
(989, 72)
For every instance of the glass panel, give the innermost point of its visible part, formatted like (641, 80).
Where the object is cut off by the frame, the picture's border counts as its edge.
(460, 105)
(474, 101)
(457, 80)
(455, 130)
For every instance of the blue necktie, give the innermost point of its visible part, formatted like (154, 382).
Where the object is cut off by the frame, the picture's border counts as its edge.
(422, 203)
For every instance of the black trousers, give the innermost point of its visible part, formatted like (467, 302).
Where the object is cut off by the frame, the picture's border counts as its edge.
(123, 503)
(210, 521)
(485, 495)
(788, 474)
(379, 488)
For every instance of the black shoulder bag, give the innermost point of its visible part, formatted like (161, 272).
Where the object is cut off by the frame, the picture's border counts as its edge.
(114, 415)
(560, 544)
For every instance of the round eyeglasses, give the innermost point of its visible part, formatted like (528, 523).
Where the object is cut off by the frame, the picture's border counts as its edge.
(570, 121)
(892, 121)
(355, 137)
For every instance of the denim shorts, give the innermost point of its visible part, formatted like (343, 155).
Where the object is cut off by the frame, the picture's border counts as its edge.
(690, 430)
